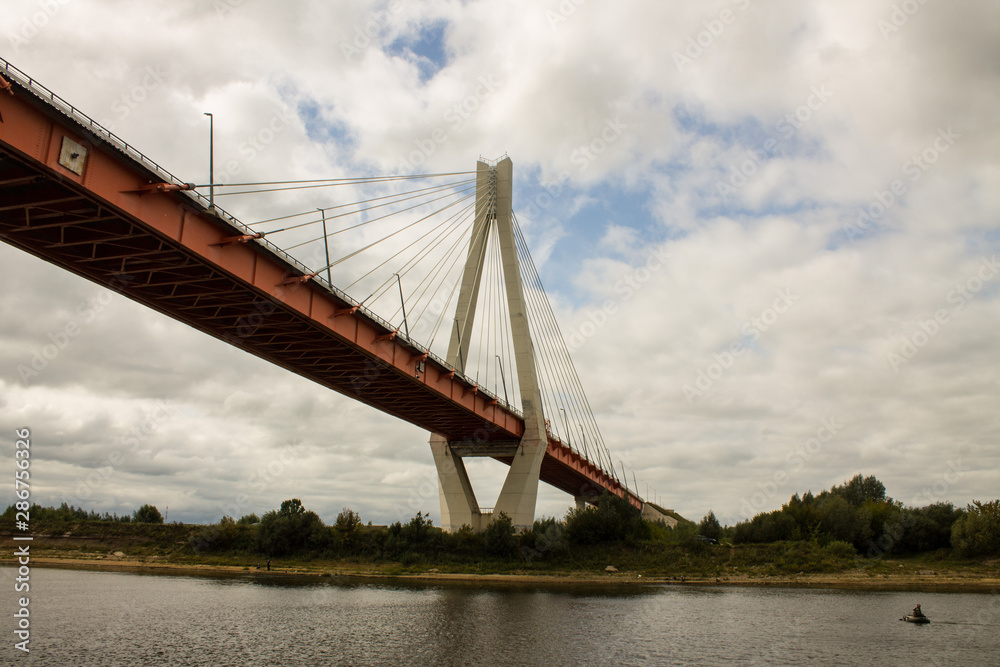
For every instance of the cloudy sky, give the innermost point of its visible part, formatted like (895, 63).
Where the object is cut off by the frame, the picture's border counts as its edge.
(769, 231)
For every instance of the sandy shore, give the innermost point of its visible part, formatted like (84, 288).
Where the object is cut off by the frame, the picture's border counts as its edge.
(850, 580)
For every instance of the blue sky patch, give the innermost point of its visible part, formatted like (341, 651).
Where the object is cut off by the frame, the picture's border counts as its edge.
(426, 49)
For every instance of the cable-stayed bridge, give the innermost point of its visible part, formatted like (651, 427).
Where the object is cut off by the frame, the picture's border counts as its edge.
(414, 294)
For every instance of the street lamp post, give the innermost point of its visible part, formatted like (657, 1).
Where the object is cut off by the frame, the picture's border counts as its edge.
(326, 244)
(211, 159)
(504, 381)
(402, 302)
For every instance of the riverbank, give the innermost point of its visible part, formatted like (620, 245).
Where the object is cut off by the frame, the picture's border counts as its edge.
(855, 579)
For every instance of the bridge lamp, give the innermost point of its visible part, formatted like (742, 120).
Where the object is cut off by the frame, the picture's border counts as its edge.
(211, 159)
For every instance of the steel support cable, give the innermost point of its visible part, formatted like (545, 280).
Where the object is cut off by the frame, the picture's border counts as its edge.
(579, 394)
(462, 252)
(380, 291)
(494, 322)
(364, 201)
(486, 307)
(447, 220)
(481, 303)
(547, 375)
(451, 295)
(496, 287)
(550, 406)
(553, 396)
(398, 231)
(548, 319)
(545, 334)
(580, 406)
(382, 217)
(467, 243)
(457, 222)
(319, 183)
(503, 325)
(350, 179)
(432, 278)
(470, 242)
(484, 300)
(515, 385)
(467, 185)
(429, 278)
(556, 396)
(545, 359)
(412, 262)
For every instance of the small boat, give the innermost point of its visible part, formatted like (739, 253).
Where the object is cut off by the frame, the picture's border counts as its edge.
(910, 618)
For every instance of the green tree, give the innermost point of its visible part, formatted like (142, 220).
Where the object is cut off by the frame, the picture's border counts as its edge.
(978, 532)
(710, 526)
(347, 521)
(291, 508)
(147, 514)
(773, 526)
(613, 520)
(860, 489)
(291, 529)
(927, 528)
(837, 519)
(347, 525)
(499, 539)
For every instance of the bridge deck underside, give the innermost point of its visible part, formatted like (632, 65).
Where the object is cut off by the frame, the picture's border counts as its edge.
(61, 226)
(59, 219)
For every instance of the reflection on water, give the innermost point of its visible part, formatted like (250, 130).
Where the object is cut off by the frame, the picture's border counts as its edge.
(96, 618)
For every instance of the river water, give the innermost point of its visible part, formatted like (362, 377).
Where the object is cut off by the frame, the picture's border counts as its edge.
(85, 618)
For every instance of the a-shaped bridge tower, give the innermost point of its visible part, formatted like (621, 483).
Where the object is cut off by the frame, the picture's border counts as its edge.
(520, 489)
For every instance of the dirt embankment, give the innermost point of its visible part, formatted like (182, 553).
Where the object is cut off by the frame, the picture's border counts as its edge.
(856, 579)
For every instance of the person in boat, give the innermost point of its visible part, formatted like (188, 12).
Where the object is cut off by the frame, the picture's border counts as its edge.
(917, 612)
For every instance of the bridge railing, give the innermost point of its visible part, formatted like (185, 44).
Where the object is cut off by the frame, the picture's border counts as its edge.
(109, 137)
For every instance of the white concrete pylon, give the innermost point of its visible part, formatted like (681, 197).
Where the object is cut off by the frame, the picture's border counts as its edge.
(494, 187)
(520, 488)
